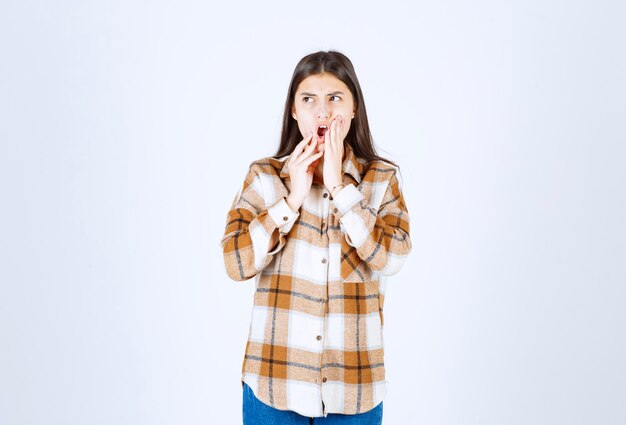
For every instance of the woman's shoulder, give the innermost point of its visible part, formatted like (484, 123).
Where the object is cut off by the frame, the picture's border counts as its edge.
(379, 168)
(268, 165)
(380, 171)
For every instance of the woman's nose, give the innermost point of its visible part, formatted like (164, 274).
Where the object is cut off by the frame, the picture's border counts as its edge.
(322, 113)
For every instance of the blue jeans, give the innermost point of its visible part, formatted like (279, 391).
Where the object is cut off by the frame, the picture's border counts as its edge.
(255, 412)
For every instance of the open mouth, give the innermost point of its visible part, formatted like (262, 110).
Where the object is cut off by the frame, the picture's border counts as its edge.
(321, 130)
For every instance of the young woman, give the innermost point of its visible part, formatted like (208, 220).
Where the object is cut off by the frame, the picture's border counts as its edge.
(320, 225)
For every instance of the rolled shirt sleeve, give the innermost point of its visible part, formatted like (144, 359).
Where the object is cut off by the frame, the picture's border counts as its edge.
(249, 227)
(380, 237)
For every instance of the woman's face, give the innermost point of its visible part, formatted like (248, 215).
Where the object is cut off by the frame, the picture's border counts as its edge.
(318, 100)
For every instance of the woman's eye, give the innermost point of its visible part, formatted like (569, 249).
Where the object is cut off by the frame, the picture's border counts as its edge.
(306, 99)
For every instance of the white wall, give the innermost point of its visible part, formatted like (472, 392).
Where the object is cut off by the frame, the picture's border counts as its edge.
(117, 120)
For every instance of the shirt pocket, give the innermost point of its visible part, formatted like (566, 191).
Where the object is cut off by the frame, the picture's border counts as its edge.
(358, 280)
(353, 268)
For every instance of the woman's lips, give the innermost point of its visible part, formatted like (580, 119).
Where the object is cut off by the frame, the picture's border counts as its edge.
(321, 130)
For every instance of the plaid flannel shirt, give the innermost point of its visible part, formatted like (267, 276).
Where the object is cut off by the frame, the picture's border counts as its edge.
(315, 343)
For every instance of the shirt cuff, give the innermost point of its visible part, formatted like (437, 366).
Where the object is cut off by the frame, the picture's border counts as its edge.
(345, 199)
(283, 215)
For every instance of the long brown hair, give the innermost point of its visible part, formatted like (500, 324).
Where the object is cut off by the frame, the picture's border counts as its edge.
(359, 136)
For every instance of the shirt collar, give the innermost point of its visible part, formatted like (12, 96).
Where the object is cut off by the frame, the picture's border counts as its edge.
(350, 165)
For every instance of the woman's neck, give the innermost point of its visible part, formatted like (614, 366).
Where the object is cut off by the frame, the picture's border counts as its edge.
(318, 178)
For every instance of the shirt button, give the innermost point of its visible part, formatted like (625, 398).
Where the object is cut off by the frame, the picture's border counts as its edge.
(319, 337)
(335, 210)
(324, 379)
(325, 195)
(285, 218)
(324, 260)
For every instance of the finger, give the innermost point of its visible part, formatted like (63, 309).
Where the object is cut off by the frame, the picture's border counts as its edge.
(328, 146)
(327, 141)
(331, 135)
(312, 158)
(335, 133)
(342, 126)
(312, 166)
(298, 149)
(306, 153)
(300, 146)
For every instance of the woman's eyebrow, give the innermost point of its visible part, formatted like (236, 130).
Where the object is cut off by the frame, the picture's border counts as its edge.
(328, 94)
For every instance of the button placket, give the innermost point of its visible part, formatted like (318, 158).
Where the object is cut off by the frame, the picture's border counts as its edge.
(325, 223)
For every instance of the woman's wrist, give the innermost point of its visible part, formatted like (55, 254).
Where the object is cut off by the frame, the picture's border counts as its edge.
(293, 204)
(336, 189)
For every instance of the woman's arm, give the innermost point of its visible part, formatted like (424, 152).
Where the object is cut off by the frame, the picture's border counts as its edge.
(381, 237)
(254, 233)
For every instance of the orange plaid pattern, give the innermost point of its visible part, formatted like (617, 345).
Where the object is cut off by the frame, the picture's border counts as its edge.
(315, 344)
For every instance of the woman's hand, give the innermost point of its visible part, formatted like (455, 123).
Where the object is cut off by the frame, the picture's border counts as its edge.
(333, 152)
(301, 171)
